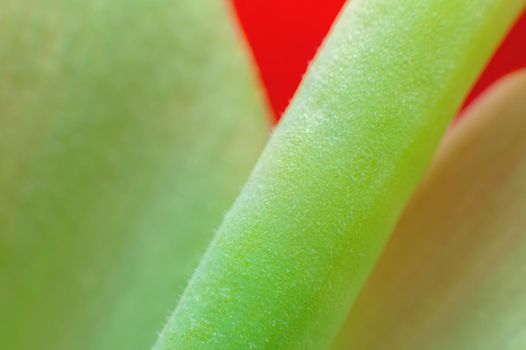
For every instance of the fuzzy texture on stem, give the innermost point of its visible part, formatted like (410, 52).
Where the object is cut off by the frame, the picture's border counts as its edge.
(126, 131)
(296, 247)
(452, 275)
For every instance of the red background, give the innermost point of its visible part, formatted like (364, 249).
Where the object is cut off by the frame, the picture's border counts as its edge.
(285, 34)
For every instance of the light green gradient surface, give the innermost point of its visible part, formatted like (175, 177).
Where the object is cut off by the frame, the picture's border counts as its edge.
(126, 131)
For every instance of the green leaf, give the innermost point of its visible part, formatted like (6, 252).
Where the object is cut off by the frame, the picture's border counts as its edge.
(126, 130)
(452, 275)
(296, 247)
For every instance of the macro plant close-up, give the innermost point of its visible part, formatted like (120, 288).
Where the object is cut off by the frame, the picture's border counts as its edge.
(263, 174)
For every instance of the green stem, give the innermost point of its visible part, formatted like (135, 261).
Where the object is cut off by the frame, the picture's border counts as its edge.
(296, 247)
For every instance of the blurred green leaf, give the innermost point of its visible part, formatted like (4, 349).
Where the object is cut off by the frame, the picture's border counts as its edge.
(126, 130)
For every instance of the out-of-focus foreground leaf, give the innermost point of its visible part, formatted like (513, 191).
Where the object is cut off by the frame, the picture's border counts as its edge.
(452, 275)
(301, 239)
(126, 130)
